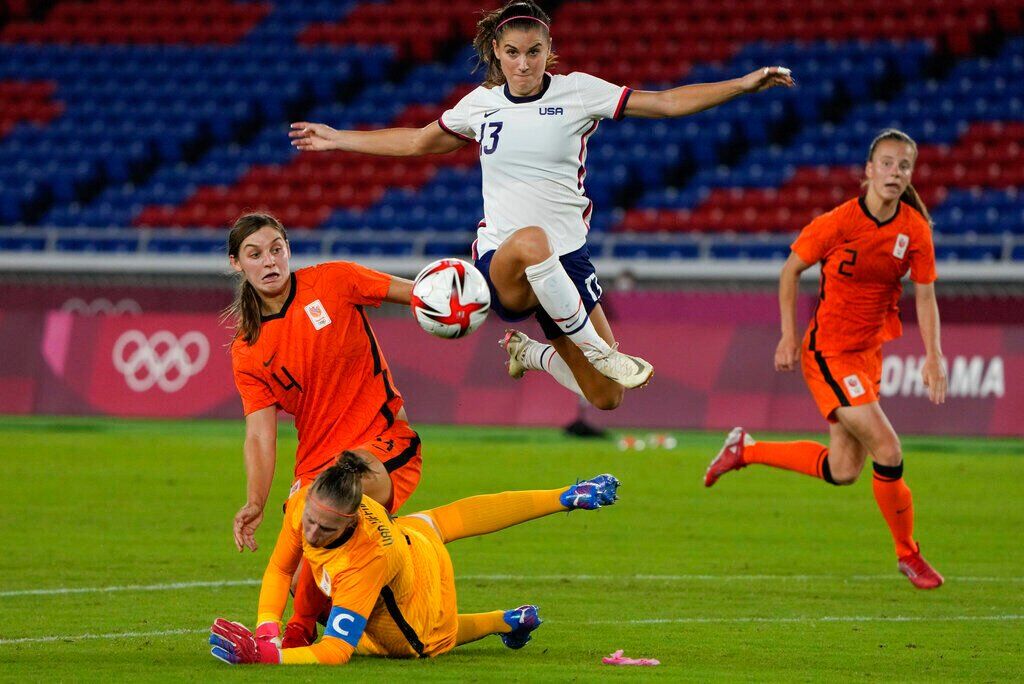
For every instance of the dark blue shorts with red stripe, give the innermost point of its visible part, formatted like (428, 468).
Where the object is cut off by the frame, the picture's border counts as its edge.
(581, 271)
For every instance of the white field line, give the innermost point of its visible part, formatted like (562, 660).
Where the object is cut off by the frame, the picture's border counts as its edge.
(174, 586)
(170, 586)
(115, 635)
(722, 578)
(812, 619)
(652, 621)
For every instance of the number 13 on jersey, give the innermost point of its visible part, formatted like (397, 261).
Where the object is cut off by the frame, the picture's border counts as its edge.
(488, 145)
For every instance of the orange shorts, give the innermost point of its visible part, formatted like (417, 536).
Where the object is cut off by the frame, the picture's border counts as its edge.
(850, 379)
(399, 449)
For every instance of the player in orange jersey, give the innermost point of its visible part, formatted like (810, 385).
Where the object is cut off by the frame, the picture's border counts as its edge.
(865, 246)
(303, 344)
(390, 580)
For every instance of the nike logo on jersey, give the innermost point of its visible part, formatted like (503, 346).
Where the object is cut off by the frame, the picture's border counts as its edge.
(550, 111)
(493, 111)
(267, 362)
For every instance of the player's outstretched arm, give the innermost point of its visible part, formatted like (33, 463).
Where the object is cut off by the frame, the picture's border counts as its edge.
(260, 452)
(787, 353)
(933, 372)
(388, 142)
(690, 99)
(399, 291)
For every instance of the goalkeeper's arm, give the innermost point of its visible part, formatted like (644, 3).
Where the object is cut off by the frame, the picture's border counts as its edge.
(277, 579)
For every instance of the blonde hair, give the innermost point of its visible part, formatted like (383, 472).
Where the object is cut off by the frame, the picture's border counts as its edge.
(909, 195)
(520, 15)
(246, 310)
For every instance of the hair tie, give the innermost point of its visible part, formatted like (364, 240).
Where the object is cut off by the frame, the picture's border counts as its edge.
(333, 510)
(498, 27)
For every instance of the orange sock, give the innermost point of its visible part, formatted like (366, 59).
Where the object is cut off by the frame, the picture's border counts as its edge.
(488, 513)
(473, 626)
(897, 505)
(809, 458)
(309, 602)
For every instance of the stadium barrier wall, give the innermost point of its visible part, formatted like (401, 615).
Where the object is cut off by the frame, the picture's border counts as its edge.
(712, 353)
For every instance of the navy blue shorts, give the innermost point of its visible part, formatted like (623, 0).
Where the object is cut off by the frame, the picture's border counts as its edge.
(581, 272)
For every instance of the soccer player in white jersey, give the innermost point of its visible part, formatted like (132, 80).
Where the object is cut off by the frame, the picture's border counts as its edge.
(532, 128)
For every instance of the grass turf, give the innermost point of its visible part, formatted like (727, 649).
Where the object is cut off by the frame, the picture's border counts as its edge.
(768, 576)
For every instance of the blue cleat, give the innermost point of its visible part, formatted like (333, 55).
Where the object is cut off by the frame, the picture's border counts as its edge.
(591, 494)
(523, 620)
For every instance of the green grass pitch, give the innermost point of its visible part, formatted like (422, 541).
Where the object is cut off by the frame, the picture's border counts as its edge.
(767, 576)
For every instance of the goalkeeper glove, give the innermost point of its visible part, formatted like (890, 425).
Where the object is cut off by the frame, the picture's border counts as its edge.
(236, 645)
(269, 631)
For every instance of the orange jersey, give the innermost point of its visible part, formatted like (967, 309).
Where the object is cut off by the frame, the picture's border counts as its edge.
(391, 584)
(862, 263)
(318, 360)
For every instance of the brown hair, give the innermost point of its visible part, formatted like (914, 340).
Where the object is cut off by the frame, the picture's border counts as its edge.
(341, 485)
(487, 31)
(246, 310)
(909, 195)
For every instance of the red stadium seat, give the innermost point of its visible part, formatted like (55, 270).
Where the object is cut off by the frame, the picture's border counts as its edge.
(187, 21)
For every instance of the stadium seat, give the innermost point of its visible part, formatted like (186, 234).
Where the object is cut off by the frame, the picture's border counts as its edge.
(160, 114)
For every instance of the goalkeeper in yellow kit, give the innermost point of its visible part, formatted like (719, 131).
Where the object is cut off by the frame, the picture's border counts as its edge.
(390, 580)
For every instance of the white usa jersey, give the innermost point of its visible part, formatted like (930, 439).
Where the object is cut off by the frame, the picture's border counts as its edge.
(533, 153)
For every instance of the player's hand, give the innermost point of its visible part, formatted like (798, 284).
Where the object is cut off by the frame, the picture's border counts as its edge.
(312, 137)
(269, 631)
(247, 520)
(933, 373)
(787, 354)
(767, 77)
(236, 645)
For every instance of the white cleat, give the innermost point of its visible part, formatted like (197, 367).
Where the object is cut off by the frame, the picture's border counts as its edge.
(629, 371)
(516, 345)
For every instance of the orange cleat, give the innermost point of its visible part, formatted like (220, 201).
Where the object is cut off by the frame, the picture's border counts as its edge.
(919, 572)
(730, 457)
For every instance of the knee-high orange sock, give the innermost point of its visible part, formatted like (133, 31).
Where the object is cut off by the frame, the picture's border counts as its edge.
(809, 458)
(492, 512)
(473, 626)
(897, 505)
(309, 602)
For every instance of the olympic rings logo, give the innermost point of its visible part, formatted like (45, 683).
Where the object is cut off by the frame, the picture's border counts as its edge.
(163, 359)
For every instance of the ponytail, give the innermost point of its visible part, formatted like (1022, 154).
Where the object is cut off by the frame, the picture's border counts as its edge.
(341, 485)
(909, 195)
(246, 309)
(520, 15)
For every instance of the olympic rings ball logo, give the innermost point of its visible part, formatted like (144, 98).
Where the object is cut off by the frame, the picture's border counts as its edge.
(162, 359)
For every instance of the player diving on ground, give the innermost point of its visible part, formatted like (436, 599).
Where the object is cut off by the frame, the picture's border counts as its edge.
(390, 580)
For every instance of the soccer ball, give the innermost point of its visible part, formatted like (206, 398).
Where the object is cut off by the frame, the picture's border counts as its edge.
(450, 298)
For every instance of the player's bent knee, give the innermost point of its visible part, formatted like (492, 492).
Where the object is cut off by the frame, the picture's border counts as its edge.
(844, 480)
(530, 245)
(378, 487)
(843, 475)
(377, 483)
(891, 455)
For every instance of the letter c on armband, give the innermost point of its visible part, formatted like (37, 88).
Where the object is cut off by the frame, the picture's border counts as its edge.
(346, 625)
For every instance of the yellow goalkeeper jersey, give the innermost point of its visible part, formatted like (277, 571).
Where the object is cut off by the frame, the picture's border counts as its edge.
(390, 581)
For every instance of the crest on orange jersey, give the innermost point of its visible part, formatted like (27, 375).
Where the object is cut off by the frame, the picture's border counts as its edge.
(317, 315)
(899, 250)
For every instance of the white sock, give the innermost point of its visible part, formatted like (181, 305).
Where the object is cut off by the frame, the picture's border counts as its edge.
(544, 357)
(562, 302)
